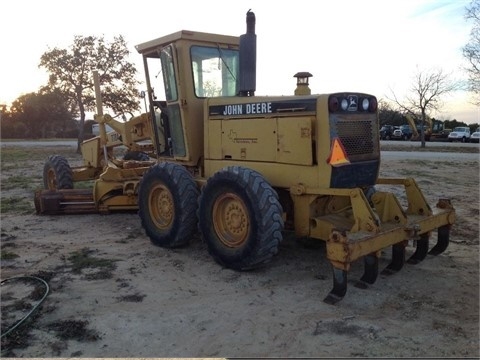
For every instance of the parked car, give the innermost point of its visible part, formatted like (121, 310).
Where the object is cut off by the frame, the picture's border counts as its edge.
(460, 133)
(475, 136)
(386, 132)
(404, 132)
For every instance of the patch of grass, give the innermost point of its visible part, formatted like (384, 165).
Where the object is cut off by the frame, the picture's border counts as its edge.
(434, 165)
(410, 173)
(82, 259)
(84, 184)
(21, 337)
(132, 298)
(14, 156)
(5, 255)
(18, 182)
(338, 328)
(17, 339)
(415, 146)
(424, 169)
(7, 237)
(103, 274)
(8, 167)
(73, 330)
(16, 204)
(21, 305)
(132, 235)
(45, 275)
(20, 155)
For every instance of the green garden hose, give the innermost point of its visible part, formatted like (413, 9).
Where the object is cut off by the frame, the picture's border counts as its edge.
(47, 289)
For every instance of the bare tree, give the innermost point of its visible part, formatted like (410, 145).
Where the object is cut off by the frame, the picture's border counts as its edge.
(471, 51)
(425, 95)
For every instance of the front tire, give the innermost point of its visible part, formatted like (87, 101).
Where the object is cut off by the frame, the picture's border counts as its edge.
(57, 173)
(240, 218)
(167, 202)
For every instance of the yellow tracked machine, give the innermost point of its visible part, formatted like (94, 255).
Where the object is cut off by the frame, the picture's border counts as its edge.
(243, 169)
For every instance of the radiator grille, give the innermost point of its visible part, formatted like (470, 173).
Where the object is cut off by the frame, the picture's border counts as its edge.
(357, 136)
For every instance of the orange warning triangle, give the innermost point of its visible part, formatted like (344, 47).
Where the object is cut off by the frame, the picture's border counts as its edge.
(338, 156)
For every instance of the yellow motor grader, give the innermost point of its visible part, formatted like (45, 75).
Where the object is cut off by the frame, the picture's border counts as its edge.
(242, 169)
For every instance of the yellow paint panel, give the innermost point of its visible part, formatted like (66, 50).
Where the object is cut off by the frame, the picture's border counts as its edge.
(214, 140)
(295, 141)
(249, 139)
(91, 152)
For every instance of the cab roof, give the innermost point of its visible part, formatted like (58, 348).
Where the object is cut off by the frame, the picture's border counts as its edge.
(190, 36)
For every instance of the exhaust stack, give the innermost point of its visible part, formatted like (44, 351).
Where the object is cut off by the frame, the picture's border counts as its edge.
(248, 58)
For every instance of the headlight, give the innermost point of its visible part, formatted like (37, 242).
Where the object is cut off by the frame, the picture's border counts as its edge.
(365, 104)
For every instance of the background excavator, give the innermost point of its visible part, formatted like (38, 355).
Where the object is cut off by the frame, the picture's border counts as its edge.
(416, 134)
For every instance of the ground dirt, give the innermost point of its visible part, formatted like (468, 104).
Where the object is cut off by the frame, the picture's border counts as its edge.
(112, 293)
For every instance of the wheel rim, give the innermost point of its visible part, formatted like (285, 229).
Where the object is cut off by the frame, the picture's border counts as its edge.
(161, 206)
(231, 220)
(51, 179)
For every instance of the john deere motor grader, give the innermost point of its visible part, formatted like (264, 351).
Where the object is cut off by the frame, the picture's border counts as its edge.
(244, 168)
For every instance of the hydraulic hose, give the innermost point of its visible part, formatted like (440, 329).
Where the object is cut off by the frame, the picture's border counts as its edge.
(47, 289)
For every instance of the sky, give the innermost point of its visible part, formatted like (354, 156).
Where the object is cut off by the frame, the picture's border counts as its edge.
(369, 46)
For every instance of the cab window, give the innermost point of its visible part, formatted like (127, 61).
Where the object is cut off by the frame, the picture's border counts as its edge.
(215, 71)
(168, 71)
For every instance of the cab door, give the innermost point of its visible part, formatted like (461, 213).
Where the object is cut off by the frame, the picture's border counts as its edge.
(177, 138)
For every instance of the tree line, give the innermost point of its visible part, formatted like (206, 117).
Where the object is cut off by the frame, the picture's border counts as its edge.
(59, 108)
(47, 115)
(389, 116)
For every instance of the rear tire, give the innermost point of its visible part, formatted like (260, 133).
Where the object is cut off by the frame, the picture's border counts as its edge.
(240, 218)
(57, 173)
(167, 202)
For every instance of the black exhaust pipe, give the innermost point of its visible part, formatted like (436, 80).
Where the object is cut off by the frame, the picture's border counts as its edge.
(248, 58)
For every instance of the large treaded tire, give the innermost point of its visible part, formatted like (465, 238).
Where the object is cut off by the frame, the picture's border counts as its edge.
(168, 200)
(240, 218)
(57, 173)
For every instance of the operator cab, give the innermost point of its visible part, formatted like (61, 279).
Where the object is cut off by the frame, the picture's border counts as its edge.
(182, 69)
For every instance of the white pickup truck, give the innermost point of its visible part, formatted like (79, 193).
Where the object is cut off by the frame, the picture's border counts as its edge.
(460, 133)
